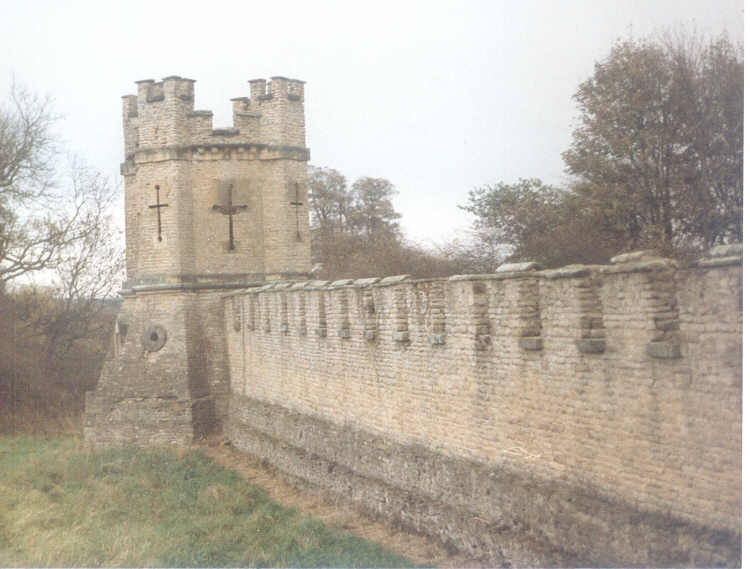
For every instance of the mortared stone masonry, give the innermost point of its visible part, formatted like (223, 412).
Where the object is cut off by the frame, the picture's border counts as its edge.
(582, 416)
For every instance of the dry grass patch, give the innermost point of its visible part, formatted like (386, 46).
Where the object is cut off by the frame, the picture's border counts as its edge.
(61, 505)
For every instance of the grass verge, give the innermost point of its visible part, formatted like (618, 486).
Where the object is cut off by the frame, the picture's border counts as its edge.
(62, 505)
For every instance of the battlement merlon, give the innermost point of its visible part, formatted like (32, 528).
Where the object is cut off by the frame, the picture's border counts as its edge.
(278, 87)
(162, 114)
(169, 88)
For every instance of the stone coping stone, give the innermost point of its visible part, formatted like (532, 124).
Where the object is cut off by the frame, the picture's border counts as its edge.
(366, 282)
(248, 289)
(722, 255)
(429, 280)
(640, 267)
(474, 277)
(496, 276)
(719, 262)
(518, 267)
(341, 282)
(635, 256)
(316, 285)
(569, 271)
(395, 279)
(731, 250)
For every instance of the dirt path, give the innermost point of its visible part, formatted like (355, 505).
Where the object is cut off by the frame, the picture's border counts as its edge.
(419, 549)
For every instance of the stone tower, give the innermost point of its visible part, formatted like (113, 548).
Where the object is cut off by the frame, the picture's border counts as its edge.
(207, 210)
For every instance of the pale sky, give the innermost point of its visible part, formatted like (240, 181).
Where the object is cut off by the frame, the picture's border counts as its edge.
(438, 97)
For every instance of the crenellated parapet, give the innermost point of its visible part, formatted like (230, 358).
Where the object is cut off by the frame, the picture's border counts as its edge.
(163, 116)
(520, 301)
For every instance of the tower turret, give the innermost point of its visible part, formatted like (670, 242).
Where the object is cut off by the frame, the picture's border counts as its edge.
(260, 160)
(207, 210)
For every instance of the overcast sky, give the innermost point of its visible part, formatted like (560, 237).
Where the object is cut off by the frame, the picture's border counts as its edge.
(438, 97)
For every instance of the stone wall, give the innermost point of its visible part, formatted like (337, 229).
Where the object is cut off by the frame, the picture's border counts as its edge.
(586, 415)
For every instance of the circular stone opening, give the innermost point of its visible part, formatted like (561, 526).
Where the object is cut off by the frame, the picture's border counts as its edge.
(154, 337)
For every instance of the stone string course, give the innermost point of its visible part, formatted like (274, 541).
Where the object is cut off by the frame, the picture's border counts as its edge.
(585, 415)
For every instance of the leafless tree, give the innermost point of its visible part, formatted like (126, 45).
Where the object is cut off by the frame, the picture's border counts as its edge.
(55, 228)
(39, 215)
(87, 269)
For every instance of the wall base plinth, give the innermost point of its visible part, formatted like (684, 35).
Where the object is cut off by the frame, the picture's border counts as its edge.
(499, 516)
